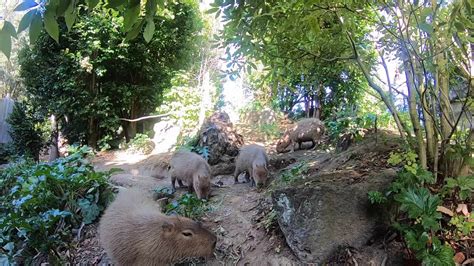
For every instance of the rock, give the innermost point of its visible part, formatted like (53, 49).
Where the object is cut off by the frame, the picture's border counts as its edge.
(166, 136)
(218, 135)
(264, 117)
(317, 215)
(222, 169)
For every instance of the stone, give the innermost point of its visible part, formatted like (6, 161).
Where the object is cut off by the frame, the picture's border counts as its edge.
(166, 136)
(319, 214)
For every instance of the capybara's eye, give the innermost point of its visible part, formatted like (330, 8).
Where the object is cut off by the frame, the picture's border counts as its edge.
(187, 233)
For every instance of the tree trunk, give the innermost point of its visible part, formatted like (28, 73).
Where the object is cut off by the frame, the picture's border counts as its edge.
(412, 108)
(53, 148)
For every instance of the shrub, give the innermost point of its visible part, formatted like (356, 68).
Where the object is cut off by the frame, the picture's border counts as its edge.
(41, 203)
(189, 206)
(27, 137)
(142, 143)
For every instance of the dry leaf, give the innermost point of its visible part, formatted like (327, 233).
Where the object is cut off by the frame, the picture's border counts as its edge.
(445, 210)
(459, 257)
(462, 208)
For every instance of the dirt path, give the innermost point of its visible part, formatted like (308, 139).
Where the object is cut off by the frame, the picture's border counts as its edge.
(236, 217)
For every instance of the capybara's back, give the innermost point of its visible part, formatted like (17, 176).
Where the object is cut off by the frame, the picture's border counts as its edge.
(134, 232)
(185, 164)
(253, 159)
(306, 129)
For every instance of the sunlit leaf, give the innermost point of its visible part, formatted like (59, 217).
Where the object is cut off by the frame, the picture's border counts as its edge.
(26, 20)
(70, 16)
(5, 43)
(51, 25)
(131, 15)
(426, 27)
(149, 30)
(133, 33)
(9, 28)
(25, 5)
(35, 27)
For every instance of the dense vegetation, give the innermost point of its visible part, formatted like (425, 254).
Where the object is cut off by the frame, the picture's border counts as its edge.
(41, 204)
(358, 65)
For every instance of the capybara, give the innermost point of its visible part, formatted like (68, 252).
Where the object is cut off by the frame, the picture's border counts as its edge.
(133, 231)
(253, 160)
(307, 129)
(194, 170)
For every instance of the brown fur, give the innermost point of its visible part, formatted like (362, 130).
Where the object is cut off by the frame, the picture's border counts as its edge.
(156, 165)
(194, 170)
(134, 232)
(253, 160)
(307, 129)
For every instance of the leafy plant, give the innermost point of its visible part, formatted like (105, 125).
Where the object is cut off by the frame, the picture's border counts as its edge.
(27, 137)
(41, 203)
(464, 224)
(188, 205)
(296, 172)
(376, 197)
(142, 143)
(269, 130)
(463, 185)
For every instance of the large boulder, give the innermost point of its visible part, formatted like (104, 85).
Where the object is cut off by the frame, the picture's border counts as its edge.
(320, 214)
(220, 138)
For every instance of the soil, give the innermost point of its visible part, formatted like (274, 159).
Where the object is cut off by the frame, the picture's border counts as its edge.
(239, 213)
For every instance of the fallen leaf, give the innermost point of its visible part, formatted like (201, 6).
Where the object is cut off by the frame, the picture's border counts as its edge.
(459, 257)
(462, 208)
(445, 210)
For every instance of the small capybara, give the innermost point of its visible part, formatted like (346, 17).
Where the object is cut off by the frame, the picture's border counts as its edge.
(253, 160)
(133, 231)
(194, 170)
(307, 129)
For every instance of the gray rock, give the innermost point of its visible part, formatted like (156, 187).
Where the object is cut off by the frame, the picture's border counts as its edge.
(319, 214)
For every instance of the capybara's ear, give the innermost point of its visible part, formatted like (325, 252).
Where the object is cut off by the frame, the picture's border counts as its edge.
(167, 227)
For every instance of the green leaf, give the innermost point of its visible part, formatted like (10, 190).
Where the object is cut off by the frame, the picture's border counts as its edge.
(26, 20)
(63, 6)
(149, 30)
(131, 15)
(9, 28)
(212, 10)
(51, 25)
(35, 27)
(459, 26)
(70, 16)
(116, 3)
(5, 43)
(27, 4)
(133, 33)
(92, 3)
(426, 27)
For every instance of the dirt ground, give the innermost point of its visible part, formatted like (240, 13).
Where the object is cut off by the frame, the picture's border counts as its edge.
(236, 214)
(239, 211)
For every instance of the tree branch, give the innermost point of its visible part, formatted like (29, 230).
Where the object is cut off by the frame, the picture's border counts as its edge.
(144, 117)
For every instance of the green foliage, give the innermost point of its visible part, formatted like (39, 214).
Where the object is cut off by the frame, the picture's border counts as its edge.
(7, 152)
(92, 77)
(376, 197)
(270, 222)
(296, 172)
(463, 185)
(188, 205)
(25, 132)
(191, 144)
(345, 123)
(41, 204)
(269, 130)
(142, 143)
(464, 224)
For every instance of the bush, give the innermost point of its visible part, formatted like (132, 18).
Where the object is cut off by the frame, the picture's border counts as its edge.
(27, 137)
(189, 206)
(346, 123)
(142, 143)
(7, 151)
(41, 203)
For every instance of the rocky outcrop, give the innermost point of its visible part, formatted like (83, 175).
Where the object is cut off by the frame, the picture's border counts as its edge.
(220, 138)
(166, 136)
(322, 213)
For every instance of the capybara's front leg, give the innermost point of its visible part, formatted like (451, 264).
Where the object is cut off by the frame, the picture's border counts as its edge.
(236, 176)
(180, 183)
(190, 188)
(173, 184)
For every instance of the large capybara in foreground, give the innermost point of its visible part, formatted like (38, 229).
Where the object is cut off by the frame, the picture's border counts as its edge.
(133, 231)
(253, 160)
(307, 129)
(194, 170)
